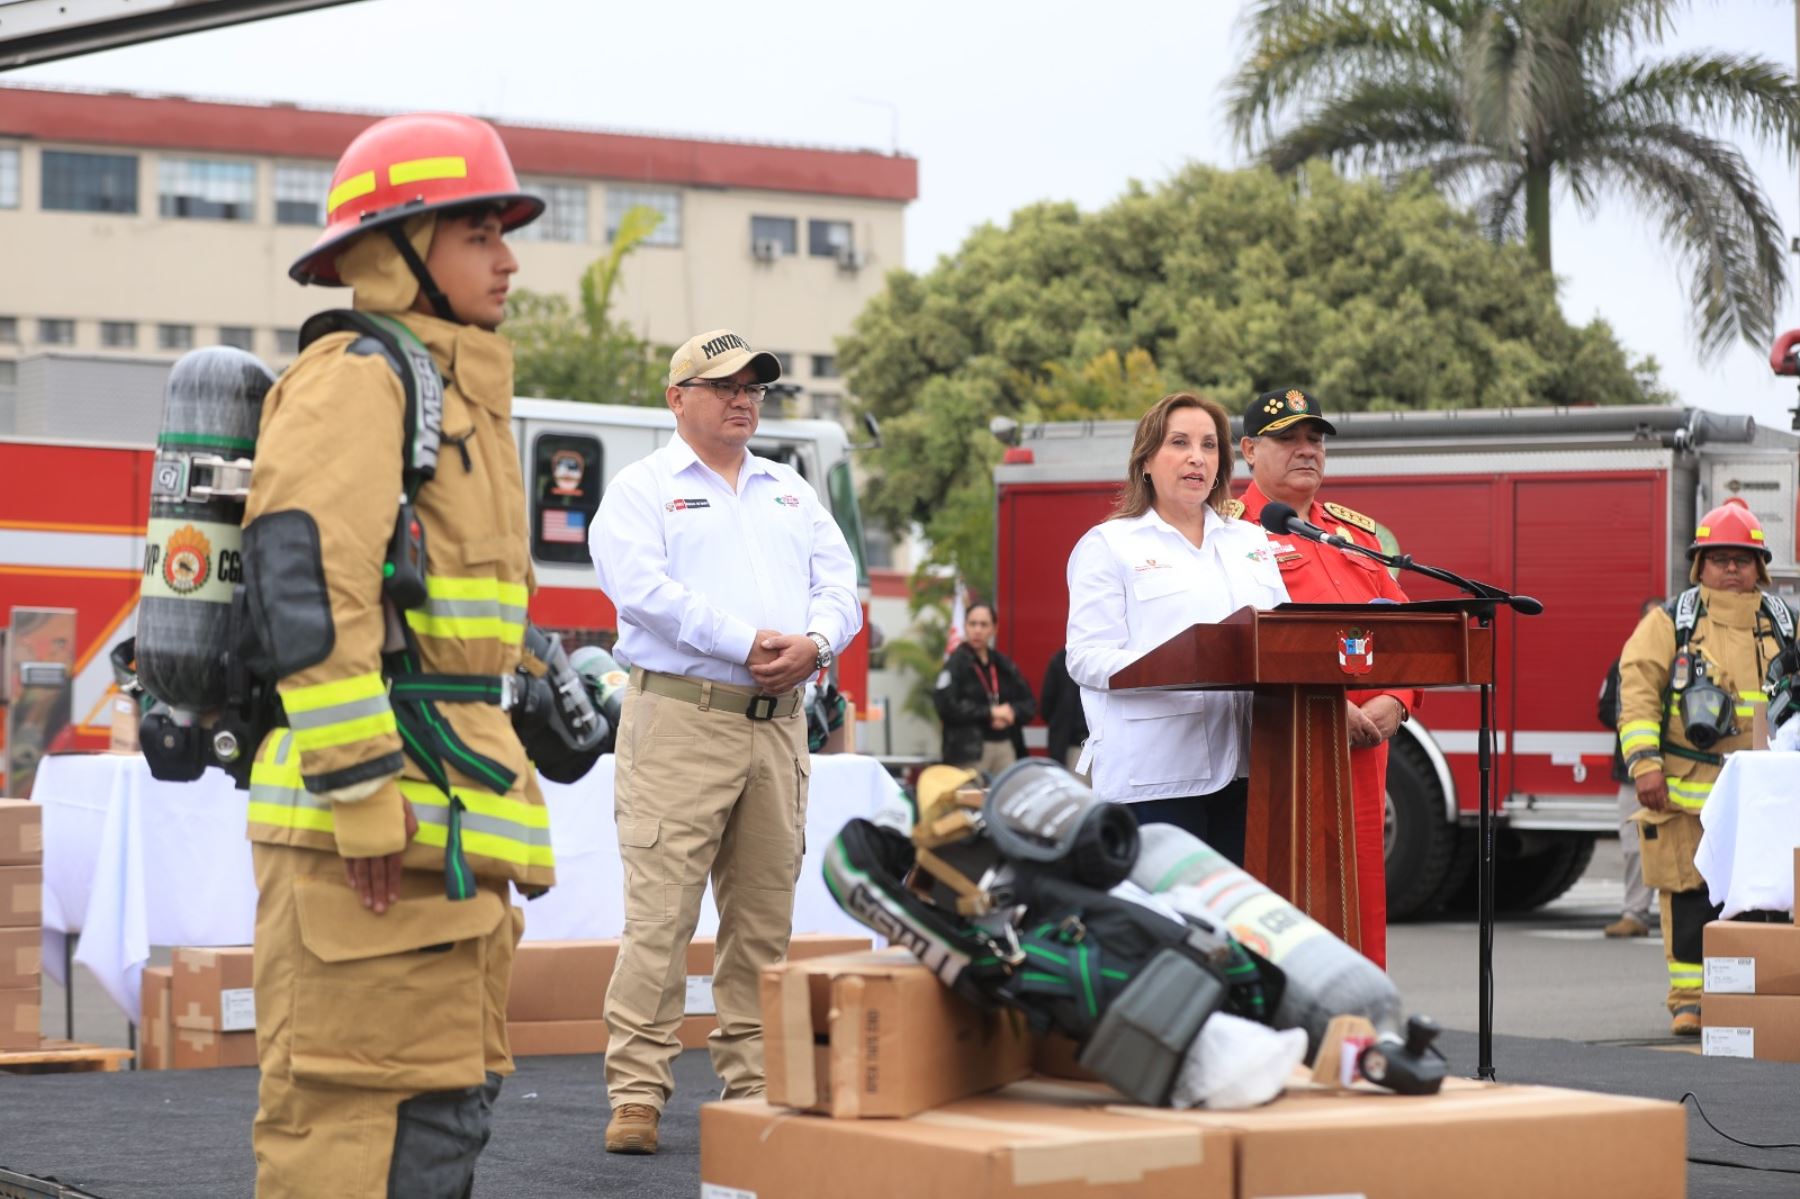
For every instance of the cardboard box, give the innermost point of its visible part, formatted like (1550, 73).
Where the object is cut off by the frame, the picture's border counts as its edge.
(21, 1011)
(21, 954)
(876, 1034)
(122, 737)
(561, 982)
(974, 1149)
(1054, 1057)
(202, 1049)
(1751, 959)
(801, 947)
(1797, 885)
(156, 1026)
(212, 989)
(1765, 1027)
(21, 896)
(21, 833)
(538, 1038)
(1471, 1141)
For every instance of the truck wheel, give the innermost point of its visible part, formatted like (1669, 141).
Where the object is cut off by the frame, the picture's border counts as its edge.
(1420, 844)
(1522, 884)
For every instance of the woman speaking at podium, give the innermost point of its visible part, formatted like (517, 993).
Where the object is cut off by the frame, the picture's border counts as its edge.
(1172, 554)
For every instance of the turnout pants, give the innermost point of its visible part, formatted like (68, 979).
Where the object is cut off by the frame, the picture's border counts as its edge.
(701, 792)
(382, 1039)
(1666, 846)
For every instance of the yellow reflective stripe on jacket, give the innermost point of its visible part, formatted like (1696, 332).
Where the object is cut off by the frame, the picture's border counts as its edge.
(1686, 976)
(339, 712)
(465, 608)
(1635, 735)
(1749, 698)
(494, 826)
(278, 797)
(1684, 793)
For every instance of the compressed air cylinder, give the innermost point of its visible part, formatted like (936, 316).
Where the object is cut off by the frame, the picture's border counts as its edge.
(605, 679)
(1325, 977)
(193, 546)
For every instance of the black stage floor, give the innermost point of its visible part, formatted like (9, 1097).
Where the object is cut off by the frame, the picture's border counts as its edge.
(187, 1133)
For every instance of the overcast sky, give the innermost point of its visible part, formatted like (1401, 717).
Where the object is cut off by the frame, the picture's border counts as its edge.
(1003, 103)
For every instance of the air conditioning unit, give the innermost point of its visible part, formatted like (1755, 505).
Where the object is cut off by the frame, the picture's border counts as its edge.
(765, 249)
(850, 258)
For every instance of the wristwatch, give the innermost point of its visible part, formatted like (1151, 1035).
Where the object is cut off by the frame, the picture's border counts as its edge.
(825, 654)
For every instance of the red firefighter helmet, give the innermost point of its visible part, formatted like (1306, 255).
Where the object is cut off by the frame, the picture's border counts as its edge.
(402, 166)
(1730, 524)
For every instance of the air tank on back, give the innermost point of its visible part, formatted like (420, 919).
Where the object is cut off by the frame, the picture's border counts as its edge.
(193, 558)
(1325, 977)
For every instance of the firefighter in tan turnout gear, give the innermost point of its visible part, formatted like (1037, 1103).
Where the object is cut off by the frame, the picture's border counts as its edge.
(392, 811)
(1687, 679)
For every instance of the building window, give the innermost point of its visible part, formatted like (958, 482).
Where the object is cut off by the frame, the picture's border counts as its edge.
(287, 342)
(786, 360)
(9, 177)
(300, 194)
(667, 204)
(9, 373)
(56, 332)
(76, 182)
(772, 237)
(118, 335)
(174, 337)
(200, 189)
(824, 366)
(828, 405)
(238, 337)
(565, 213)
(828, 239)
(9, 330)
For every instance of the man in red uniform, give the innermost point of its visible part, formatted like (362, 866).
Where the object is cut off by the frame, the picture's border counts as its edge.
(1284, 446)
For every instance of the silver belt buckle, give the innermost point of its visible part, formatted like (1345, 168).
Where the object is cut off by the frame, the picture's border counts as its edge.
(757, 711)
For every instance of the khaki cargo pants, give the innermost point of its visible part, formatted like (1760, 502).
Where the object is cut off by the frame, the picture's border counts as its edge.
(699, 793)
(357, 1014)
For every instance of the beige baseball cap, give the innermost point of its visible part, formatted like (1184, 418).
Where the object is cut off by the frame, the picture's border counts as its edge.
(719, 355)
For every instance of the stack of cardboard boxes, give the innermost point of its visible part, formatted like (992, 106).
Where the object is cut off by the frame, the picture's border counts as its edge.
(213, 1008)
(558, 998)
(21, 923)
(1751, 1002)
(852, 1038)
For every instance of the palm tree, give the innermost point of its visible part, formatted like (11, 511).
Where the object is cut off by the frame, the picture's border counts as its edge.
(1502, 99)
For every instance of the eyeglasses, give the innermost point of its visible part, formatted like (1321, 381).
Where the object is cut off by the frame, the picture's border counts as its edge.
(727, 390)
(1731, 561)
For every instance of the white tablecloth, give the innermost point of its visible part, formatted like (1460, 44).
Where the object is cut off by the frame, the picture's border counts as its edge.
(130, 862)
(1752, 823)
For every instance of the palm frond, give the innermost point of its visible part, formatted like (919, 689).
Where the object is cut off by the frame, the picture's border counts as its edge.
(1714, 213)
(1383, 125)
(1754, 94)
(1500, 211)
(1303, 50)
(1454, 169)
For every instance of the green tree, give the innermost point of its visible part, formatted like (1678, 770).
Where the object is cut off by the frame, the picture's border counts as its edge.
(1224, 282)
(568, 352)
(1508, 99)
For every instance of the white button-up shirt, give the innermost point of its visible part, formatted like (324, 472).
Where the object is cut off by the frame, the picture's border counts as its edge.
(1133, 584)
(695, 568)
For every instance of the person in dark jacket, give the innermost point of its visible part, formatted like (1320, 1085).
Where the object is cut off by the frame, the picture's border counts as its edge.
(1062, 711)
(983, 700)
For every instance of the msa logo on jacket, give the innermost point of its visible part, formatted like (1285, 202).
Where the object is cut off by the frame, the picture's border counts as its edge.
(682, 505)
(1356, 651)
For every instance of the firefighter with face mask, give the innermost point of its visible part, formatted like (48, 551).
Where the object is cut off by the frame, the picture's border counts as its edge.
(388, 585)
(1687, 679)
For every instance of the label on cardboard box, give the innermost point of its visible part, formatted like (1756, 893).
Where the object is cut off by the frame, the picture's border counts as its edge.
(700, 996)
(1728, 1042)
(1731, 976)
(237, 1009)
(712, 1190)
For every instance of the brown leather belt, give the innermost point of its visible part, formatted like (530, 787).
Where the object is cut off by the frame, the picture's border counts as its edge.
(723, 697)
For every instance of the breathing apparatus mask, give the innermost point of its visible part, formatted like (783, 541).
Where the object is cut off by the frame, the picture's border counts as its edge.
(1779, 685)
(1708, 712)
(561, 713)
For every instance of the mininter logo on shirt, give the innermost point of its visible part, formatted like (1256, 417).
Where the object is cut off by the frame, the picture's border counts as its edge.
(788, 501)
(680, 505)
(1153, 564)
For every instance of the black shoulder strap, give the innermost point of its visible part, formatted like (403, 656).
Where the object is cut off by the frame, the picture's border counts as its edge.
(1781, 616)
(1684, 610)
(419, 379)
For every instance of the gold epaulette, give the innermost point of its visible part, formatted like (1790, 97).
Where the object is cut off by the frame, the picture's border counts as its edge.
(1232, 508)
(1351, 516)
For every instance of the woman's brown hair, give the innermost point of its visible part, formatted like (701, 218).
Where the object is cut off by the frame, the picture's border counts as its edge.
(1152, 429)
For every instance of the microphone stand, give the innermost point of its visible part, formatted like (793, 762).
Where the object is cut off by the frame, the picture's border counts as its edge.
(1486, 599)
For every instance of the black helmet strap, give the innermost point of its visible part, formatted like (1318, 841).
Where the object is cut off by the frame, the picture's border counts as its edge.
(440, 303)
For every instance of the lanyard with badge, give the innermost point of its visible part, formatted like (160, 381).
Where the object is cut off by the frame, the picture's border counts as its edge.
(990, 680)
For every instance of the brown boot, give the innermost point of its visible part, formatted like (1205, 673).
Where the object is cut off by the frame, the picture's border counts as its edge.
(633, 1129)
(1627, 926)
(1686, 1022)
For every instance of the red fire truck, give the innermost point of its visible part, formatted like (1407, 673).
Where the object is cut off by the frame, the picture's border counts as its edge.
(1589, 510)
(72, 518)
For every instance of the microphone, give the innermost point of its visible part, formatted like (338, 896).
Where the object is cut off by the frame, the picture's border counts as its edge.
(1278, 517)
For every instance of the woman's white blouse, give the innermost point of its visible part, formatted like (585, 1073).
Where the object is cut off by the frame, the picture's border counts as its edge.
(1133, 584)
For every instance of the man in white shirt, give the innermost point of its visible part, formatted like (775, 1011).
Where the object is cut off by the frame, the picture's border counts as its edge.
(733, 586)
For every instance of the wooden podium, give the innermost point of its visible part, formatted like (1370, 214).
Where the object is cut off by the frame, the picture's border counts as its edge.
(1298, 660)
